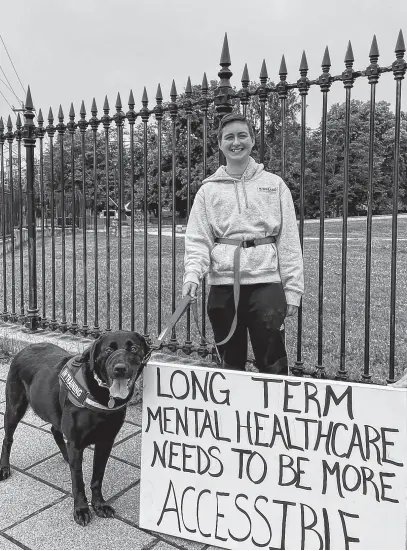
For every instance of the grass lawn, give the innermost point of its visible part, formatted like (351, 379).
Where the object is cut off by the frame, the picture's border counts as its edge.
(355, 307)
(380, 290)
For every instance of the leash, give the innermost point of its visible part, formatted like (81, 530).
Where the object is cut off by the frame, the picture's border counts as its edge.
(188, 302)
(183, 305)
(240, 244)
(72, 382)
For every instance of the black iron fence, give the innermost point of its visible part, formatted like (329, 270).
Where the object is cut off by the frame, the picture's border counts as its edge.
(10, 215)
(109, 181)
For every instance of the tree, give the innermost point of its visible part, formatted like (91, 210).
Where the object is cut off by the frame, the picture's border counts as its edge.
(358, 155)
(383, 160)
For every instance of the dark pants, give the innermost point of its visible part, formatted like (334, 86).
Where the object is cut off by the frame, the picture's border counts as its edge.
(261, 311)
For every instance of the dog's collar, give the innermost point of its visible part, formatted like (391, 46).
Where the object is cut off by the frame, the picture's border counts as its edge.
(72, 381)
(110, 358)
(99, 381)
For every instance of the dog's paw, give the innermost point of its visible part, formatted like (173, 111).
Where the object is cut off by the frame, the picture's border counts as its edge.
(103, 510)
(5, 472)
(82, 515)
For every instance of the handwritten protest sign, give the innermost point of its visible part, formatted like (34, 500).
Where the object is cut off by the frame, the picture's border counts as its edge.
(244, 460)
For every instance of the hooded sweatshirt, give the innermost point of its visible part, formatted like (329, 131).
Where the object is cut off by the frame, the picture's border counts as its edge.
(257, 205)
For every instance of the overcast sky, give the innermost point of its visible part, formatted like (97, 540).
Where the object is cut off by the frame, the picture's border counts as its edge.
(79, 49)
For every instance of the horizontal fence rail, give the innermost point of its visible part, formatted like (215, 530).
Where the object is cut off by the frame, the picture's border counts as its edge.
(100, 199)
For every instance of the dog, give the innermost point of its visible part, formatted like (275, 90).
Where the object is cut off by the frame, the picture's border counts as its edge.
(84, 398)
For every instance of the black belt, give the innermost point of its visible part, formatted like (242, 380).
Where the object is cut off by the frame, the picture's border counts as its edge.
(244, 244)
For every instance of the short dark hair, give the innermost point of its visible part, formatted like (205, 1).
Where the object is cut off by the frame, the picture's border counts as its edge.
(234, 117)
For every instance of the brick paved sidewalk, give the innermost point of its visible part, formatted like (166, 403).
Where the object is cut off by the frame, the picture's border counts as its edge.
(36, 502)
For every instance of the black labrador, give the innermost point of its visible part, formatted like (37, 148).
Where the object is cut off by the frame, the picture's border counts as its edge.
(83, 397)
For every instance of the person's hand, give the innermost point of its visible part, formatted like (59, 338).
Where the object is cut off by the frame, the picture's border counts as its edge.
(189, 288)
(291, 310)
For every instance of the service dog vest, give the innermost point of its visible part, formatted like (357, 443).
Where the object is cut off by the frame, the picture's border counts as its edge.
(73, 386)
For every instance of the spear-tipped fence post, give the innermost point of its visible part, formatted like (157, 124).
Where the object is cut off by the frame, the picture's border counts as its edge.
(119, 120)
(282, 90)
(53, 325)
(61, 129)
(262, 94)
(204, 86)
(303, 83)
(324, 82)
(158, 111)
(348, 79)
(3, 220)
(373, 74)
(373, 70)
(10, 138)
(94, 124)
(303, 87)
(222, 100)
(131, 118)
(29, 137)
(145, 115)
(82, 125)
(173, 109)
(348, 75)
(325, 79)
(41, 131)
(399, 68)
(244, 92)
(106, 120)
(204, 106)
(71, 126)
(187, 348)
(203, 348)
(19, 137)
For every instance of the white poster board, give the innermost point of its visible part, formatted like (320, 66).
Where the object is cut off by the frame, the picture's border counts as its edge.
(245, 461)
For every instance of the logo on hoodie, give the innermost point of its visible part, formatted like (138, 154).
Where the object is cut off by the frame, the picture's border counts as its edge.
(266, 189)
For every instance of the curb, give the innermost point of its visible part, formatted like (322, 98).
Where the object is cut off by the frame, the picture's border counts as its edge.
(14, 337)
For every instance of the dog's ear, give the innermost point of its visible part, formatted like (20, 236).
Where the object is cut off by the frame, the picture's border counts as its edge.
(88, 355)
(85, 355)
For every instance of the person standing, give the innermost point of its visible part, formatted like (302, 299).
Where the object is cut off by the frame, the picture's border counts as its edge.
(242, 230)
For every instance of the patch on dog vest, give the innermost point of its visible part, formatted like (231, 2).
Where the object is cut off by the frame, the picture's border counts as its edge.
(77, 391)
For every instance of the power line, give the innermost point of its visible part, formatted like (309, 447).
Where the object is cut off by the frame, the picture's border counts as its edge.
(10, 87)
(2, 81)
(6, 100)
(13, 65)
(5, 76)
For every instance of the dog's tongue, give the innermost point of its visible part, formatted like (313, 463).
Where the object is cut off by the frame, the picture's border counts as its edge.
(119, 389)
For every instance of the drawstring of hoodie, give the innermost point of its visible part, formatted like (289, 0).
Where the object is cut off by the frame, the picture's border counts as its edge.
(237, 195)
(245, 194)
